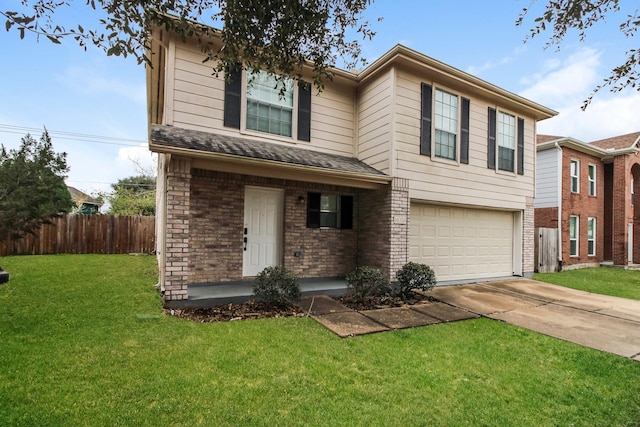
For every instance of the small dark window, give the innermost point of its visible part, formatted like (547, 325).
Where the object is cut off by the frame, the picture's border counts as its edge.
(329, 211)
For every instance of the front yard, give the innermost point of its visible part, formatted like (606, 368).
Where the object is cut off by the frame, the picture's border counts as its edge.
(613, 281)
(84, 342)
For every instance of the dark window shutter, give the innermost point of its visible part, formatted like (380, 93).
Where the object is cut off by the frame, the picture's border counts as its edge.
(425, 120)
(346, 212)
(491, 140)
(232, 99)
(304, 111)
(520, 137)
(313, 210)
(464, 132)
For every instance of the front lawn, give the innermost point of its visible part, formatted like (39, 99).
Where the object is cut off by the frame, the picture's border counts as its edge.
(612, 281)
(83, 341)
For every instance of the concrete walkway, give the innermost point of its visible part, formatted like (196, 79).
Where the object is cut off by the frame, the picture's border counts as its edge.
(346, 322)
(601, 322)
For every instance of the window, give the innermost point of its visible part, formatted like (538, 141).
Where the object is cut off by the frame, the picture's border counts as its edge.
(506, 141)
(573, 235)
(633, 193)
(329, 211)
(575, 176)
(592, 180)
(446, 124)
(591, 236)
(449, 115)
(267, 110)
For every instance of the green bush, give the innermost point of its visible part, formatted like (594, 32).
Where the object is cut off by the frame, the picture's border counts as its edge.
(415, 276)
(365, 282)
(277, 286)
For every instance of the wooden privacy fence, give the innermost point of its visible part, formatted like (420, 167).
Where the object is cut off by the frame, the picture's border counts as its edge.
(546, 251)
(87, 234)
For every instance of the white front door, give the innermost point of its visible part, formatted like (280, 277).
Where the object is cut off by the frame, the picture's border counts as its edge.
(262, 233)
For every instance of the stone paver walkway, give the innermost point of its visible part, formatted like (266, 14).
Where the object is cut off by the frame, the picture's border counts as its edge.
(346, 322)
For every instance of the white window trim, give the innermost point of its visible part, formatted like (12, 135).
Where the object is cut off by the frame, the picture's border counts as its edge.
(499, 113)
(456, 160)
(243, 114)
(592, 181)
(576, 176)
(577, 235)
(591, 220)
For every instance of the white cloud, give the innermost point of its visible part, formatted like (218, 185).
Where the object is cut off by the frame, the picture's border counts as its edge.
(564, 85)
(476, 70)
(138, 159)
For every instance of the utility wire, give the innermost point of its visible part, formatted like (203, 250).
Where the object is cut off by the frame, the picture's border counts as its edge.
(72, 136)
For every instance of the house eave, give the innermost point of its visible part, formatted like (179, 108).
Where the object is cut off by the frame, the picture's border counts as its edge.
(224, 162)
(400, 54)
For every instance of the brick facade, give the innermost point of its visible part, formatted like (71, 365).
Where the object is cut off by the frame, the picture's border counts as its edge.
(584, 206)
(546, 218)
(177, 249)
(383, 239)
(208, 248)
(528, 243)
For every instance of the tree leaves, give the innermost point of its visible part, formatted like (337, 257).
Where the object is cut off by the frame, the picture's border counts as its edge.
(32, 188)
(280, 36)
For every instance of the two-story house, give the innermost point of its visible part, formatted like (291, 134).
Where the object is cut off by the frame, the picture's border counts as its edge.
(586, 192)
(409, 159)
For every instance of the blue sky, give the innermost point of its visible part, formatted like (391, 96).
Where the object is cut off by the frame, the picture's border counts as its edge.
(95, 106)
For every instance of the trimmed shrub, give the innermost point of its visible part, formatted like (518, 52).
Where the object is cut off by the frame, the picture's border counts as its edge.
(365, 282)
(277, 286)
(415, 276)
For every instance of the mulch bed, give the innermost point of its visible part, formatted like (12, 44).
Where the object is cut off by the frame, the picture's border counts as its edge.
(261, 310)
(233, 312)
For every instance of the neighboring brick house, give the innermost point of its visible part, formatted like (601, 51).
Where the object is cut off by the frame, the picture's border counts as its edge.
(408, 159)
(588, 189)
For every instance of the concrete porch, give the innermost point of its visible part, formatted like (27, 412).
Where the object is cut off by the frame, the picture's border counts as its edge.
(203, 295)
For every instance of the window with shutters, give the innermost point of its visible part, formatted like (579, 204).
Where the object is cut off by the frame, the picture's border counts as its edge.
(329, 211)
(505, 142)
(444, 126)
(269, 109)
(574, 174)
(266, 108)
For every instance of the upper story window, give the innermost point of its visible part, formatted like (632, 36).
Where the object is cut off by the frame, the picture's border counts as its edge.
(592, 180)
(633, 193)
(574, 173)
(444, 124)
(269, 109)
(506, 141)
(266, 108)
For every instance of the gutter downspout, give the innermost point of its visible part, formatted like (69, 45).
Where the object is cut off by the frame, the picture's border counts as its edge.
(559, 148)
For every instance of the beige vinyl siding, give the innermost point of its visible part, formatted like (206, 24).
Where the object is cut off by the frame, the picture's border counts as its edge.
(197, 102)
(547, 179)
(447, 182)
(374, 124)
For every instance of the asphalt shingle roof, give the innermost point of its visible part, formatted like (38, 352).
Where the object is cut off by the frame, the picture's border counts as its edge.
(207, 142)
(618, 142)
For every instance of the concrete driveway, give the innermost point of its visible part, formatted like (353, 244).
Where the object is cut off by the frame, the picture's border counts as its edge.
(605, 323)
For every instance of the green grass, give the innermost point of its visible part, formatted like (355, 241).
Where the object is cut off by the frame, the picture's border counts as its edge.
(83, 342)
(612, 281)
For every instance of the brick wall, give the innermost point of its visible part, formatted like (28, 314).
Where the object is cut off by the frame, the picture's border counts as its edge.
(217, 206)
(177, 230)
(528, 243)
(546, 217)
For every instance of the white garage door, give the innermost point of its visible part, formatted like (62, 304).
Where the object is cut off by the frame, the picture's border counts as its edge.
(460, 243)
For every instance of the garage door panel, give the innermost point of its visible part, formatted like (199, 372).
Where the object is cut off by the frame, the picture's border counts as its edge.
(460, 243)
